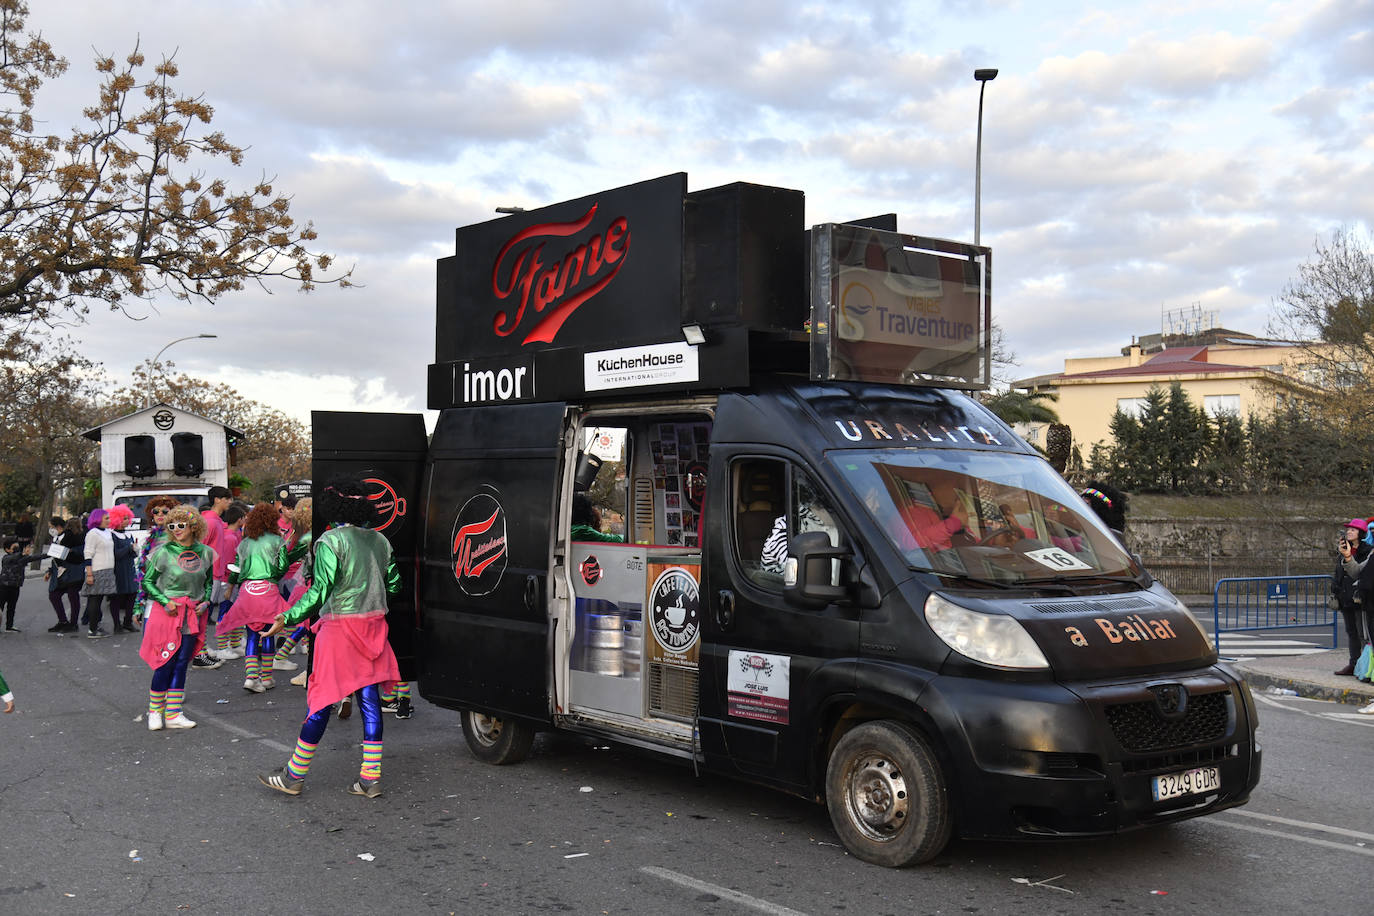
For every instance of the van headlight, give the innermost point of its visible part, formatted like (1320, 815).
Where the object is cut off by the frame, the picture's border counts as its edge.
(993, 639)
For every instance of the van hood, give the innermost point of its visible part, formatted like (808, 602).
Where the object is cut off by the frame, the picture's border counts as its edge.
(1090, 636)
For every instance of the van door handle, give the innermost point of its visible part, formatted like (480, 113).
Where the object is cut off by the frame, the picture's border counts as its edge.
(531, 593)
(725, 608)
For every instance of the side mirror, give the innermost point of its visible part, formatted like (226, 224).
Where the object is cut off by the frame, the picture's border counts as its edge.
(806, 575)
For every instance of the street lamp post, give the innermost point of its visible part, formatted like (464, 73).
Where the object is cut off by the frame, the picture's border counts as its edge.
(153, 363)
(983, 76)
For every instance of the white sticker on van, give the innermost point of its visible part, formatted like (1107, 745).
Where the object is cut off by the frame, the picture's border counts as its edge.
(634, 367)
(1056, 558)
(758, 686)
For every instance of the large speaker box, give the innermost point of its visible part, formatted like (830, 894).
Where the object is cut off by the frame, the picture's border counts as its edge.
(188, 455)
(140, 459)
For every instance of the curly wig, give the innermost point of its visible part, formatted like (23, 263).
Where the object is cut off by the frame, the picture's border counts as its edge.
(261, 520)
(157, 502)
(344, 500)
(120, 516)
(303, 517)
(1107, 501)
(191, 515)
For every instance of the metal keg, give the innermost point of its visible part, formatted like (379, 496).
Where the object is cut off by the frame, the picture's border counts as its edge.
(605, 640)
(633, 650)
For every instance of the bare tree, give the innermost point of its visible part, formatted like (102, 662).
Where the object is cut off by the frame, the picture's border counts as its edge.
(122, 208)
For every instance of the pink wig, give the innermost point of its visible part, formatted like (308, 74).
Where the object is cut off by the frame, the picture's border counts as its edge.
(120, 515)
(93, 520)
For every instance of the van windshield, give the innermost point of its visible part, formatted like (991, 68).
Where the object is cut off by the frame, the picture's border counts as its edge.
(989, 516)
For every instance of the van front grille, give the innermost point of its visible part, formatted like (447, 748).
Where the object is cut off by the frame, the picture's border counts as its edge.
(1141, 727)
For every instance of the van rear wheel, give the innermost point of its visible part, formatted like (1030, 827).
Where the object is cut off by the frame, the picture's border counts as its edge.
(495, 740)
(886, 795)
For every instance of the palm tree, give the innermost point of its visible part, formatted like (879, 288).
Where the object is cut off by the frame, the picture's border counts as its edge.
(1015, 406)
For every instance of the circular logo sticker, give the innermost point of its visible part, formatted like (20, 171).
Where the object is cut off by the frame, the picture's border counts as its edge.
(675, 609)
(591, 570)
(479, 545)
(164, 419)
(390, 507)
(189, 560)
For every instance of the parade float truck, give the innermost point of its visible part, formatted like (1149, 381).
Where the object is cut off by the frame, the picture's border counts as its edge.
(820, 565)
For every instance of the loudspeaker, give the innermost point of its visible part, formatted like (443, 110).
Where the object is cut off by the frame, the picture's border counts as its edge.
(188, 455)
(140, 459)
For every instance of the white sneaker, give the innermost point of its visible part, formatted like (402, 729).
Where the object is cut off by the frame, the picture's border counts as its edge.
(267, 683)
(1367, 710)
(281, 664)
(180, 721)
(154, 721)
(230, 654)
(254, 685)
(299, 680)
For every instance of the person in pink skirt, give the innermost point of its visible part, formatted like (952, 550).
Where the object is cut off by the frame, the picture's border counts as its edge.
(258, 564)
(178, 582)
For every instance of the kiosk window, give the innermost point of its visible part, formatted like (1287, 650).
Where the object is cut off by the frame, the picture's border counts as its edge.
(774, 502)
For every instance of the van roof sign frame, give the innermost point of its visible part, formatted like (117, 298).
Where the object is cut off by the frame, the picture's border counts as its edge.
(899, 309)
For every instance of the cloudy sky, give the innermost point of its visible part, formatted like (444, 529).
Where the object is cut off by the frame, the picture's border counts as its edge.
(1137, 156)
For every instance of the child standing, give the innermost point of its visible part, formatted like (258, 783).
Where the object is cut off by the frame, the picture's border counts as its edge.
(12, 569)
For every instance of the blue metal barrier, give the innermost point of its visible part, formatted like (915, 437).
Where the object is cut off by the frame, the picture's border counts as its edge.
(1271, 603)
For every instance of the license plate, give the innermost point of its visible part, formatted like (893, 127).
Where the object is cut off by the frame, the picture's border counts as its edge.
(1189, 782)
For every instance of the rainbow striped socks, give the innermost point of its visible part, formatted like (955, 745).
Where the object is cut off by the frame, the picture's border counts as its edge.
(252, 667)
(372, 761)
(157, 701)
(299, 764)
(174, 698)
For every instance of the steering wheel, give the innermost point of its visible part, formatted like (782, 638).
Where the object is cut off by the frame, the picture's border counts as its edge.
(987, 539)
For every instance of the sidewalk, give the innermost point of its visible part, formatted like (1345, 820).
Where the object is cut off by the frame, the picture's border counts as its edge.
(1309, 675)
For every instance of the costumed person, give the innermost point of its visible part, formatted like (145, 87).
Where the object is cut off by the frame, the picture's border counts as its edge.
(227, 642)
(154, 515)
(178, 582)
(353, 572)
(65, 575)
(220, 499)
(6, 695)
(126, 574)
(1110, 505)
(397, 701)
(100, 574)
(258, 564)
(294, 583)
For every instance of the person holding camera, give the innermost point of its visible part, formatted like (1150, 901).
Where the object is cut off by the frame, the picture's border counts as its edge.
(1349, 587)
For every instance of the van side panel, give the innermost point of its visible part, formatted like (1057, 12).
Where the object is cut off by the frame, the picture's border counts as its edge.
(484, 583)
(387, 451)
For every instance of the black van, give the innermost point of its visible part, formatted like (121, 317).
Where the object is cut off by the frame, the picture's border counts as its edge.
(796, 555)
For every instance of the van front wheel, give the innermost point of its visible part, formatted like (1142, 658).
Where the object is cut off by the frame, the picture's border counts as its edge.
(886, 795)
(497, 741)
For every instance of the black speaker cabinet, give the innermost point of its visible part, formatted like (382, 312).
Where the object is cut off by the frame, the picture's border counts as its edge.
(188, 455)
(140, 459)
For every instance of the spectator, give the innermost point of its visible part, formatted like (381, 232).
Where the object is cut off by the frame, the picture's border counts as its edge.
(65, 575)
(100, 574)
(1352, 553)
(126, 576)
(13, 566)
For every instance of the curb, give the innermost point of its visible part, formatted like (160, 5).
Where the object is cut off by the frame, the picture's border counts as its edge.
(1360, 695)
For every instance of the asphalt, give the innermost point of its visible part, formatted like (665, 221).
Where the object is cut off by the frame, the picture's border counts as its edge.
(1307, 676)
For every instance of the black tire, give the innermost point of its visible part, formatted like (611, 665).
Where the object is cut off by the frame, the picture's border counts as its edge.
(497, 741)
(886, 795)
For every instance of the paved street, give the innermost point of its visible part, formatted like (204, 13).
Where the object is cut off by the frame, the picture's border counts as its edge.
(101, 816)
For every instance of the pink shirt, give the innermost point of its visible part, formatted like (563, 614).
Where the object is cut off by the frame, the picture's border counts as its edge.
(215, 531)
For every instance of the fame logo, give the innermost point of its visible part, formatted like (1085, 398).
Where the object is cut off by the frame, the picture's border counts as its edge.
(549, 293)
(189, 561)
(258, 588)
(479, 545)
(390, 507)
(675, 609)
(591, 571)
